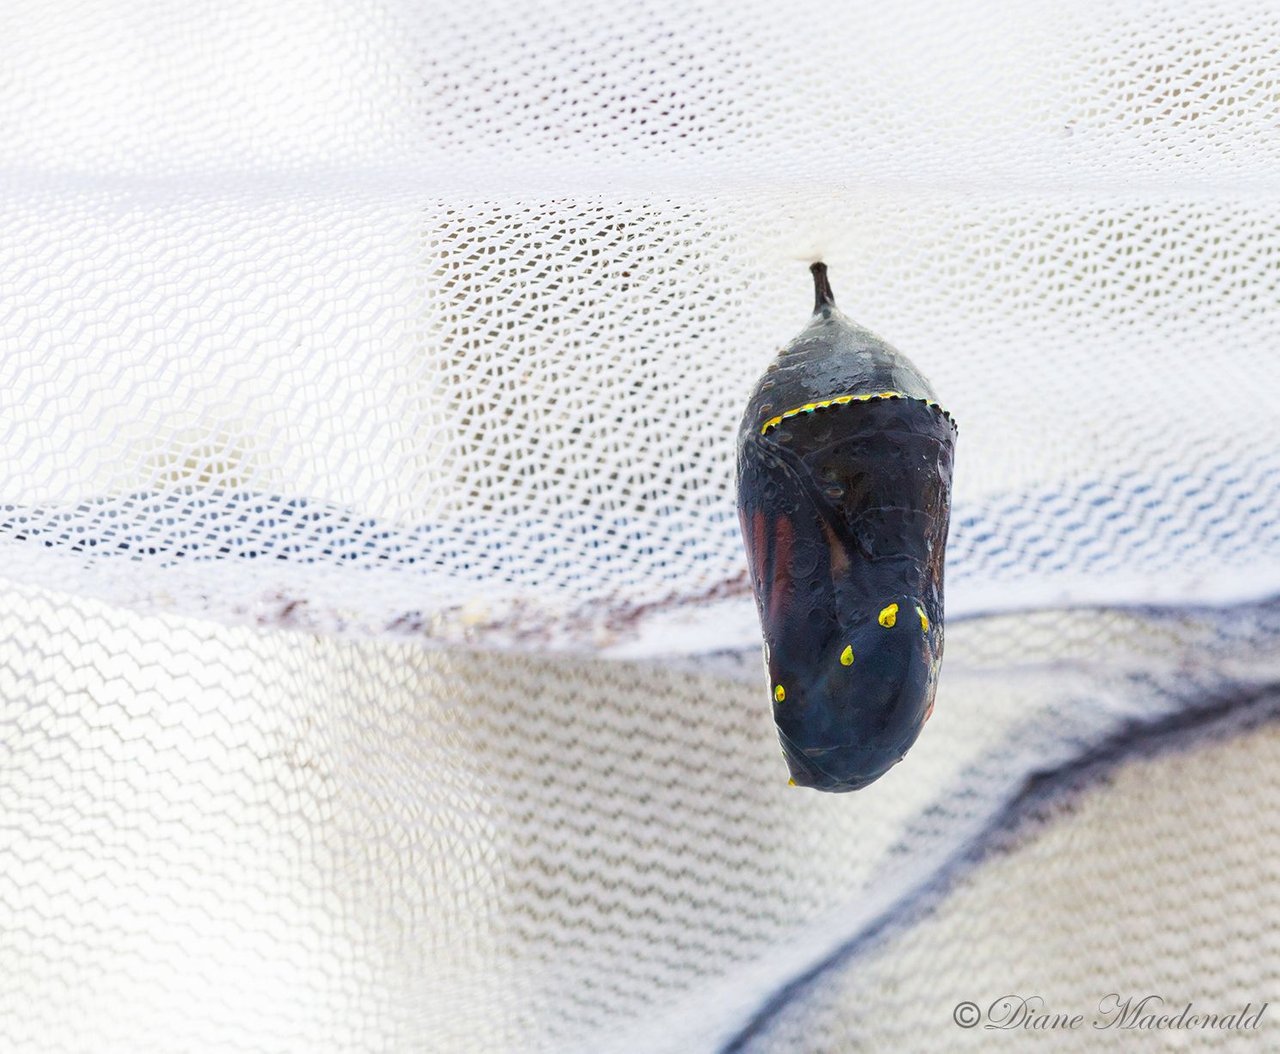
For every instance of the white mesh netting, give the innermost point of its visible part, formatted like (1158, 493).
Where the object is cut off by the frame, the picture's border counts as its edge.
(379, 667)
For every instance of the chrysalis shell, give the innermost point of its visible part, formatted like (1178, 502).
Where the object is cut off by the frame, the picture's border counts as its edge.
(844, 491)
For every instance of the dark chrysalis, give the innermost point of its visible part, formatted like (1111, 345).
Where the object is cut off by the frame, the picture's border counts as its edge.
(844, 493)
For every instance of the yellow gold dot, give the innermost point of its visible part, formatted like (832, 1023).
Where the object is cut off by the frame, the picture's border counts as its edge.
(792, 783)
(924, 619)
(779, 693)
(846, 656)
(889, 616)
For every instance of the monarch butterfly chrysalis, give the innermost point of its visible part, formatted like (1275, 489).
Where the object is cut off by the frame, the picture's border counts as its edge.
(844, 491)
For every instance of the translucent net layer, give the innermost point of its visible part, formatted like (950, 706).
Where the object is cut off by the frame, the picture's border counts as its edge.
(245, 840)
(441, 326)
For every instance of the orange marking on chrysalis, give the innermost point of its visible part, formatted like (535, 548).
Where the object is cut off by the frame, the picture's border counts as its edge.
(759, 540)
(839, 554)
(783, 539)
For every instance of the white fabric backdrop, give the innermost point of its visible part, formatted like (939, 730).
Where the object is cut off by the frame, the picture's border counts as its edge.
(368, 375)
